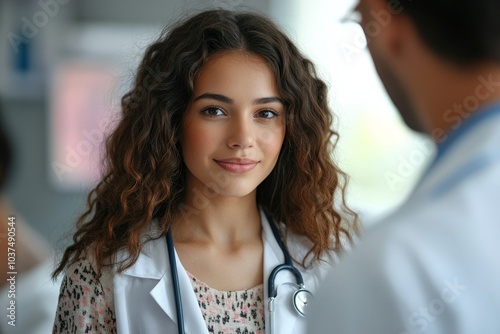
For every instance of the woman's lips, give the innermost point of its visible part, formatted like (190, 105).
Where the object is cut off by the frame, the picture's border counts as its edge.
(237, 165)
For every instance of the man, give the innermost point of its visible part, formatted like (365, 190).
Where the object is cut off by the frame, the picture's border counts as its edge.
(432, 266)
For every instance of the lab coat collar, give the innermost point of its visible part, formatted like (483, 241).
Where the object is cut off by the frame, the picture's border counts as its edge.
(152, 263)
(462, 147)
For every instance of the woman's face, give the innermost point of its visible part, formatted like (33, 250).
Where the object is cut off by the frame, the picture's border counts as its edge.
(234, 126)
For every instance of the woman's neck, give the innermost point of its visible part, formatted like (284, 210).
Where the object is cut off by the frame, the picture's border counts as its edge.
(217, 219)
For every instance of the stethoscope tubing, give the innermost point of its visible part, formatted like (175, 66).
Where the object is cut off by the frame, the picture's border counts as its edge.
(272, 290)
(287, 265)
(175, 282)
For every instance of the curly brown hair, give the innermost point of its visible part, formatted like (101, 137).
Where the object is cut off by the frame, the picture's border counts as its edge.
(145, 175)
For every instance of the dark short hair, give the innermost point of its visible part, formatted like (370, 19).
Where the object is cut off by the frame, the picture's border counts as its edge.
(464, 31)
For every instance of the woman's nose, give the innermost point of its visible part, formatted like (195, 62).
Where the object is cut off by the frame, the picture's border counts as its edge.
(241, 133)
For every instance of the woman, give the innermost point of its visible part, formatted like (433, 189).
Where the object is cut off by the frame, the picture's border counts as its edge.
(226, 133)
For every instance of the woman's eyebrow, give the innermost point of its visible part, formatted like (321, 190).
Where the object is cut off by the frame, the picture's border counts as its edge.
(265, 100)
(225, 99)
(213, 96)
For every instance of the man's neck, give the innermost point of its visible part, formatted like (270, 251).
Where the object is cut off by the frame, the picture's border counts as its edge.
(461, 96)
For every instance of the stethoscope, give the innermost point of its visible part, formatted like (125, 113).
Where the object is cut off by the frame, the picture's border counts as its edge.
(299, 299)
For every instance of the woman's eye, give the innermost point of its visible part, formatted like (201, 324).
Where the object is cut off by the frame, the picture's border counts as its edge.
(213, 111)
(267, 113)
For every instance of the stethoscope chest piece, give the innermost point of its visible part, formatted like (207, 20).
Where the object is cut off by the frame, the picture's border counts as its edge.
(301, 296)
(301, 299)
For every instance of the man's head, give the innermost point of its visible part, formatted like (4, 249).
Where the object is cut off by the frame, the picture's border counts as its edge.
(413, 42)
(464, 31)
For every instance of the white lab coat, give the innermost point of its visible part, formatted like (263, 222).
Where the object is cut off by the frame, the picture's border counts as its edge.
(433, 266)
(143, 294)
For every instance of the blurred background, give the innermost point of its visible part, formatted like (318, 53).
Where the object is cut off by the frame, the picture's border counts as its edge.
(64, 65)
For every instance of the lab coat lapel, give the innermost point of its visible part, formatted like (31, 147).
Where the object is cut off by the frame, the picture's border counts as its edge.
(284, 315)
(193, 319)
(153, 264)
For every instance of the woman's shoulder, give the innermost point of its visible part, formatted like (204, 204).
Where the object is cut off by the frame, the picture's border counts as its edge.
(83, 278)
(85, 268)
(86, 299)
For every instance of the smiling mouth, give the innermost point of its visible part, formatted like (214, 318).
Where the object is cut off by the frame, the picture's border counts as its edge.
(237, 166)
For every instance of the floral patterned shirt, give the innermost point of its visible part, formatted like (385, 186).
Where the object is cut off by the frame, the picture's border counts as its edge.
(85, 301)
(86, 304)
(240, 312)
